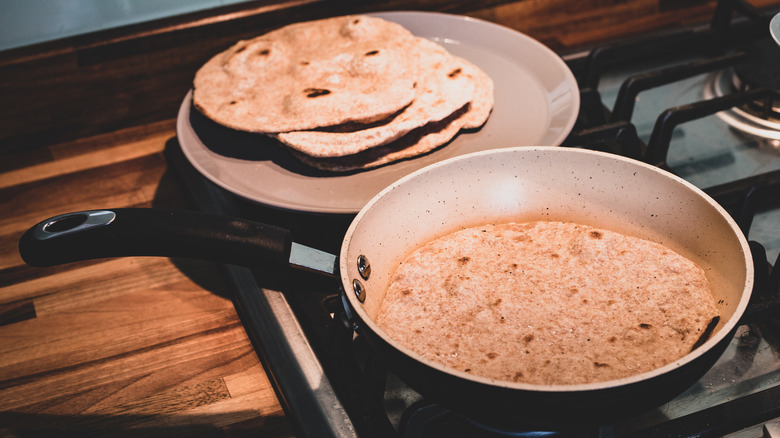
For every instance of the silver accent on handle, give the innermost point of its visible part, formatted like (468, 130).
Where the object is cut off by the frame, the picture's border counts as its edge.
(307, 258)
(69, 223)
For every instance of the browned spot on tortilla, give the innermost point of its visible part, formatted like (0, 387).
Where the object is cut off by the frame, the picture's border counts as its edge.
(463, 260)
(645, 326)
(455, 72)
(496, 302)
(406, 292)
(555, 255)
(528, 338)
(518, 375)
(316, 92)
(595, 235)
(600, 365)
(682, 332)
(612, 339)
(264, 52)
(492, 355)
(371, 53)
(451, 284)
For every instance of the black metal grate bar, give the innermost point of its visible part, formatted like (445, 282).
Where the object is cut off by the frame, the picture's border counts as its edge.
(622, 134)
(658, 145)
(720, 420)
(632, 86)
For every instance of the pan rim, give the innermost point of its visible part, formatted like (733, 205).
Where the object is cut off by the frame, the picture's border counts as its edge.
(726, 330)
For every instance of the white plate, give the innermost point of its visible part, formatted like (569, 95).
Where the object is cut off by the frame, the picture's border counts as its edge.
(536, 103)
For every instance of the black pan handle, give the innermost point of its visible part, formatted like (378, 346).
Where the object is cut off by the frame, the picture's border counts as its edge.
(152, 232)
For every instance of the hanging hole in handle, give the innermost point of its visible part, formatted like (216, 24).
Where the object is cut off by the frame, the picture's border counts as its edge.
(73, 223)
(65, 223)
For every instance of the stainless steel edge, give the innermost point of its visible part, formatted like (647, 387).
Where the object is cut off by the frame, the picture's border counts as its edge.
(298, 377)
(297, 374)
(307, 258)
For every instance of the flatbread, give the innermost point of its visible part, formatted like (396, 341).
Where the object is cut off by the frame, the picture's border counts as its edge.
(483, 99)
(311, 74)
(552, 303)
(443, 89)
(346, 93)
(414, 144)
(422, 140)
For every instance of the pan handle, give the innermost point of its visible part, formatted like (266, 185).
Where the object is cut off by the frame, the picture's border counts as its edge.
(123, 232)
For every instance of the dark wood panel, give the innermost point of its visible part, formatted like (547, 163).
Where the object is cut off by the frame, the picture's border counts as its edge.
(95, 83)
(139, 74)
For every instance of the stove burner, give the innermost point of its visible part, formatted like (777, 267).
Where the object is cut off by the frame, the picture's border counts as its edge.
(759, 118)
(761, 70)
(767, 109)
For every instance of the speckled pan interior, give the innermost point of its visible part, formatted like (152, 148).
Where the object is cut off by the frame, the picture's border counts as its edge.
(548, 183)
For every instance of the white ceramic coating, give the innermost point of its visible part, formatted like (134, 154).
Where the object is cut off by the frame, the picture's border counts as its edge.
(549, 183)
(774, 28)
(536, 102)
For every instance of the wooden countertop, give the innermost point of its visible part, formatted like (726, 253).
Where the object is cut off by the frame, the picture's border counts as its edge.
(150, 346)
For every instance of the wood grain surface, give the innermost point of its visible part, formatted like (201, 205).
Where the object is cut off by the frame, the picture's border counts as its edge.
(153, 346)
(146, 346)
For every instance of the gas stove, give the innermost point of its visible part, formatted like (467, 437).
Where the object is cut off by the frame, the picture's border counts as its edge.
(701, 102)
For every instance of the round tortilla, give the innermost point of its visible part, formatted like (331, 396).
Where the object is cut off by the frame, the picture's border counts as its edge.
(444, 87)
(421, 140)
(311, 74)
(416, 143)
(552, 303)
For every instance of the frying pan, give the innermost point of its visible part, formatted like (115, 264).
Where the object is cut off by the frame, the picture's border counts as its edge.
(515, 184)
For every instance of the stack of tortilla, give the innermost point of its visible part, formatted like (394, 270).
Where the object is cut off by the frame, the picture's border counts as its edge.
(345, 93)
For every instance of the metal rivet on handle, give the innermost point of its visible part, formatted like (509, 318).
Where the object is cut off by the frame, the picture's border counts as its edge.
(360, 291)
(364, 268)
